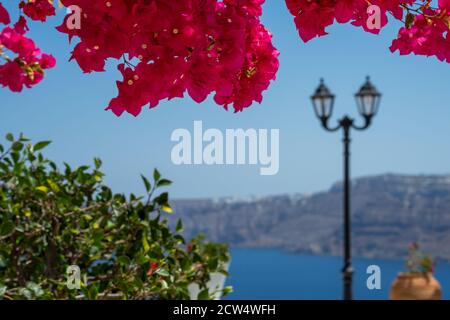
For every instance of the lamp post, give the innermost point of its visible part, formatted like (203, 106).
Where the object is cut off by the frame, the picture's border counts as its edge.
(368, 101)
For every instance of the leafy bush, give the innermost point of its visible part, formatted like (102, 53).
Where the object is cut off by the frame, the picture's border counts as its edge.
(51, 219)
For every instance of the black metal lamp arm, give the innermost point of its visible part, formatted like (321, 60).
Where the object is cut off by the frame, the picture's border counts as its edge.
(324, 122)
(367, 123)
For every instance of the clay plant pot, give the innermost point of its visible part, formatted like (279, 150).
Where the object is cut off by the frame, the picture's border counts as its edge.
(415, 286)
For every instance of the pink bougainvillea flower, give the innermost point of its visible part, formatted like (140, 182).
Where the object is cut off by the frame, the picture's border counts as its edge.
(47, 61)
(311, 17)
(12, 76)
(88, 58)
(4, 15)
(24, 63)
(18, 43)
(345, 10)
(21, 25)
(38, 9)
(424, 37)
(444, 4)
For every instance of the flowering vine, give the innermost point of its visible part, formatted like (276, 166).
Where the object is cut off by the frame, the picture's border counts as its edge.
(169, 49)
(425, 31)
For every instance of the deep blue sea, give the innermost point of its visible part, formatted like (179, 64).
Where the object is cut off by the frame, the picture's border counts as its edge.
(272, 274)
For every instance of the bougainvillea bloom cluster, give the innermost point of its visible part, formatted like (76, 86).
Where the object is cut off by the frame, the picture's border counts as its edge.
(170, 48)
(21, 62)
(425, 30)
(38, 10)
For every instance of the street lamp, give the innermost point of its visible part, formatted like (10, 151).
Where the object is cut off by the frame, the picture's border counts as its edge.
(368, 101)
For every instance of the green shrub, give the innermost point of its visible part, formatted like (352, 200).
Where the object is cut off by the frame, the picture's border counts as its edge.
(51, 219)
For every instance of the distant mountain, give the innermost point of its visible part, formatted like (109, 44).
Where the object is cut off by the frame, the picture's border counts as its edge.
(388, 213)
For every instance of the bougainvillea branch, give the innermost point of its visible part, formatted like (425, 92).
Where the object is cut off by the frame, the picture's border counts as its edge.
(167, 49)
(425, 31)
(175, 47)
(21, 62)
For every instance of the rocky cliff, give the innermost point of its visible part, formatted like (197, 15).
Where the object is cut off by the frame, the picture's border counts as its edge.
(388, 212)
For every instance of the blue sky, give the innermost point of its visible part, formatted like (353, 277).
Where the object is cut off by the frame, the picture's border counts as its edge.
(410, 134)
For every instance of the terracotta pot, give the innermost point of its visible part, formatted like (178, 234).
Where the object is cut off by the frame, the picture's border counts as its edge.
(415, 286)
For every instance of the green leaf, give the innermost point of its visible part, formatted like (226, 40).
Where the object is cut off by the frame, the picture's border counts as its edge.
(43, 189)
(162, 199)
(75, 231)
(180, 238)
(53, 185)
(41, 145)
(10, 137)
(15, 156)
(227, 290)
(124, 260)
(213, 263)
(224, 272)
(23, 138)
(156, 175)
(145, 244)
(6, 228)
(147, 184)
(166, 208)
(141, 259)
(87, 217)
(98, 176)
(17, 146)
(12, 183)
(164, 182)
(27, 212)
(164, 284)
(98, 163)
(162, 272)
(93, 292)
(203, 295)
(179, 226)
